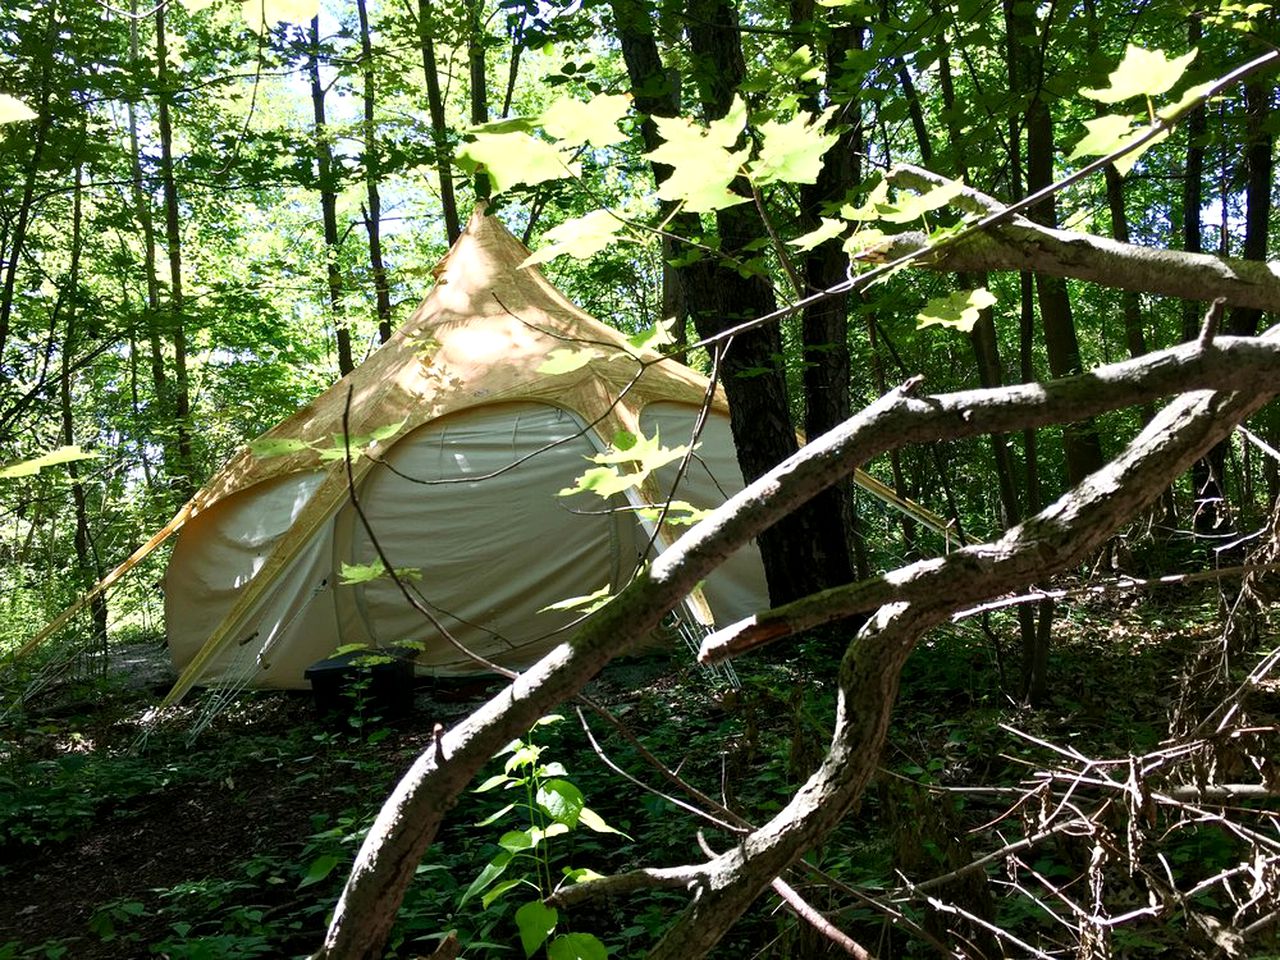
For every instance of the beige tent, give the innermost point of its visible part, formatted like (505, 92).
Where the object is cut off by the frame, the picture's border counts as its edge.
(465, 426)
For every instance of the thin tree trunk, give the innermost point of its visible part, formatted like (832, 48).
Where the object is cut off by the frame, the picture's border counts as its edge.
(142, 210)
(439, 128)
(328, 205)
(372, 174)
(184, 477)
(90, 569)
(479, 80)
(807, 551)
(22, 221)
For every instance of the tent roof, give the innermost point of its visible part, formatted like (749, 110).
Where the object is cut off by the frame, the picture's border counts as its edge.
(480, 337)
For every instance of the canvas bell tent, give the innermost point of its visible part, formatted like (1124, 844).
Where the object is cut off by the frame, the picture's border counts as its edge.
(457, 436)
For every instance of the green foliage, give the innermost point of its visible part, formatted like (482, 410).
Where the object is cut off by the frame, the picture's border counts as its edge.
(552, 806)
(959, 310)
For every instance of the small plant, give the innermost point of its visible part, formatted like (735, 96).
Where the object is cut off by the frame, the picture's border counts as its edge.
(552, 806)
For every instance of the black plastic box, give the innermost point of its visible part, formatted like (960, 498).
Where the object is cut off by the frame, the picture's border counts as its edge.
(389, 673)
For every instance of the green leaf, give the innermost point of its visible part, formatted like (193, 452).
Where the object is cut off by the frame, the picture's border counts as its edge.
(551, 719)
(1189, 98)
(498, 890)
(351, 574)
(703, 165)
(388, 431)
(827, 229)
(647, 453)
(491, 872)
(604, 482)
(959, 310)
(13, 110)
(1108, 134)
(566, 361)
(577, 946)
(679, 513)
(593, 821)
(525, 755)
(265, 447)
(511, 158)
(792, 151)
(594, 122)
(320, 868)
(27, 468)
(536, 921)
(1142, 73)
(270, 12)
(497, 780)
(581, 874)
(517, 841)
(495, 817)
(911, 207)
(562, 801)
(581, 238)
(658, 336)
(1103, 135)
(587, 603)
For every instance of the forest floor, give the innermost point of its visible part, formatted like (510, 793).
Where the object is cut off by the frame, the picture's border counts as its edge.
(121, 837)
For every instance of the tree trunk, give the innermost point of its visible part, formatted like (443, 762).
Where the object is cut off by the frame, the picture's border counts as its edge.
(808, 551)
(439, 127)
(90, 570)
(183, 479)
(479, 79)
(328, 205)
(22, 221)
(372, 174)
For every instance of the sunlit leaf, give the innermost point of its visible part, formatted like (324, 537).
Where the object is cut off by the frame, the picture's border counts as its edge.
(1189, 97)
(581, 237)
(563, 360)
(1102, 136)
(827, 229)
(27, 468)
(492, 870)
(270, 12)
(593, 821)
(536, 922)
(659, 335)
(511, 158)
(13, 110)
(1142, 73)
(703, 165)
(354, 573)
(603, 482)
(679, 513)
(647, 453)
(959, 310)
(869, 209)
(913, 206)
(497, 780)
(588, 603)
(792, 151)
(594, 122)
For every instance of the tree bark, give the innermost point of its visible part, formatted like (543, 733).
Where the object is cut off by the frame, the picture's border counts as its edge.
(439, 127)
(184, 480)
(86, 559)
(372, 175)
(328, 205)
(479, 79)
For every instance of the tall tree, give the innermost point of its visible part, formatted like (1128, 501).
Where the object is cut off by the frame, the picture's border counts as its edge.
(184, 479)
(328, 183)
(372, 175)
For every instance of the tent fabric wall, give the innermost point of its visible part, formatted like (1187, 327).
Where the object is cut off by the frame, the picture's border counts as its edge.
(253, 587)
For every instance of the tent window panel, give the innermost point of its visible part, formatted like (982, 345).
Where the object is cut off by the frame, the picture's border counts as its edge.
(495, 548)
(220, 550)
